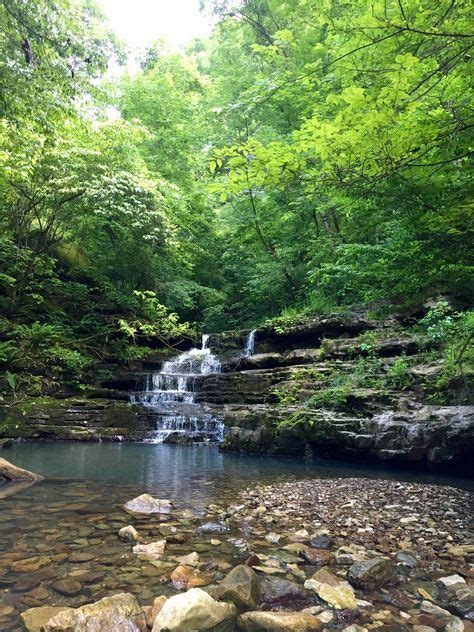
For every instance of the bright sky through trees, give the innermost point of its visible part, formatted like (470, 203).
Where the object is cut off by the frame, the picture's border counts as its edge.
(140, 22)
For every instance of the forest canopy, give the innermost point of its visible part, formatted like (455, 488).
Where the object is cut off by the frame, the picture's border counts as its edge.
(306, 156)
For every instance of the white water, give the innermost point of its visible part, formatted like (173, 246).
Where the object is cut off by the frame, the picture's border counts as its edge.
(250, 344)
(170, 393)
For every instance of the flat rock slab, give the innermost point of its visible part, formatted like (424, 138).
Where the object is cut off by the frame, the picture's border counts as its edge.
(279, 622)
(35, 618)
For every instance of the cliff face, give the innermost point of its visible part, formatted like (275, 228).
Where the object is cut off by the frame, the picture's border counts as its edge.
(350, 388)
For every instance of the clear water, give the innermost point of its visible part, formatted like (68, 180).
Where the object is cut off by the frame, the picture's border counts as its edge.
(78, 509)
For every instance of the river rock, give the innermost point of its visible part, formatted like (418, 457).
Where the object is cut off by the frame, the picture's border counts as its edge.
(146, 504)
(110, 614)
(153, 611)
(35, 618)
(451, 581)
(322, 541)
(187, 577)
(191, 559)
(67, 586)
(241, 586)
(213, 527)
(372, 573)
(340, 597)
(11, 472)
(30, 564)
(407, 559)
(128, 534)
(150, 552)
(276, 592)
(318, 557)
(278, 622)
(194, 610)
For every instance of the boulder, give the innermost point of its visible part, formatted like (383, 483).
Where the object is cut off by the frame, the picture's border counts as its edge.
(241, 586)
(11, 472)
(194, 610)
(35, 618)
(119, 612)
(279, 622)
(373, 573)
(128, 534)
(146, 504)
(406, 558)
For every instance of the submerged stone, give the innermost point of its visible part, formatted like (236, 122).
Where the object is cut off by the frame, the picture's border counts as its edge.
(279, 622)
(110, 614)
(372, 573)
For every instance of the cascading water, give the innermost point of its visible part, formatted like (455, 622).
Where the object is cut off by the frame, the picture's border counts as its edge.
(170, 395)
(250, 344)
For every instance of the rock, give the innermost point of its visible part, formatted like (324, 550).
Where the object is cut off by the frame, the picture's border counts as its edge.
(318, 557)
(452, 580)
(241, 586)
(278, 622)
(146, 504)
(149, 552)
(273, 538)
(30, 564)
(151, 615)
(300, 536)
(187, 577)
(322, 541)
(407, 559)
(128, 534)
(194, 610)
(81, 557)
(372, 573)
(324, 576)
(67, 586)
(110, 614)
(461, 603)
(5, 610)
(11, 472)
(278, 592)
(340, 597)
(35, 618)
(191, 559)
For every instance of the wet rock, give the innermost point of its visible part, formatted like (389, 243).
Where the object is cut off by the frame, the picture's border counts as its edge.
(149, 552)
(317, 557)
(322, 541)
(35, 618)
(277, 592)
(241, 586)
(452, 581)
(340, 597)
(187, 577)
(373, 573)
(278, 622)
(461, 603)
(11, 472)
(110, 614)
(191, 559)
(31, 564)
(81, 557)
(194, 610)
(128, 534)
(67, 586)
(407, 559)
(146, 504)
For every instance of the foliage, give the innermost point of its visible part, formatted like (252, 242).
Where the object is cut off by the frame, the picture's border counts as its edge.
(306, 157)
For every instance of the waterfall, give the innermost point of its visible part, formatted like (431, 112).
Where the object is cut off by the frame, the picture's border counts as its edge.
(250, 344)
(170, 394)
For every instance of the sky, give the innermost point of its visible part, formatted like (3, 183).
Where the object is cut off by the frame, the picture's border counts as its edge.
(140, 22)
